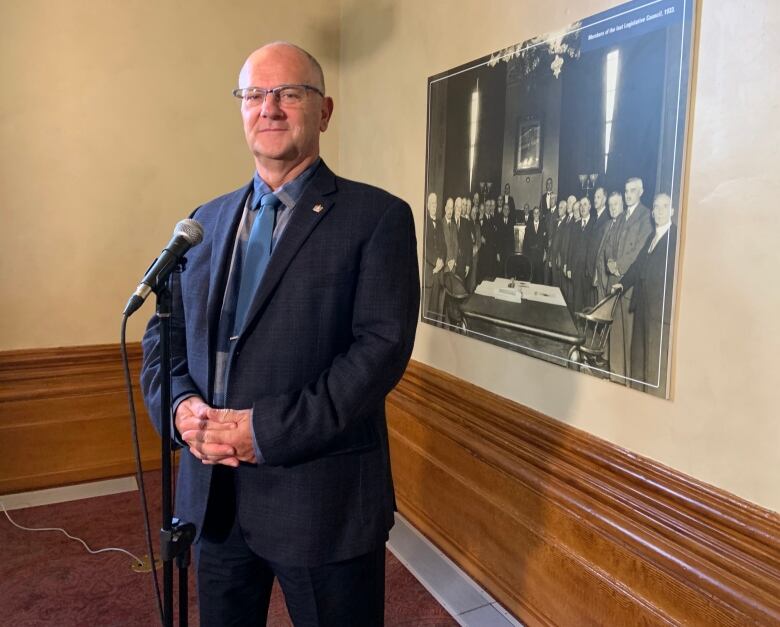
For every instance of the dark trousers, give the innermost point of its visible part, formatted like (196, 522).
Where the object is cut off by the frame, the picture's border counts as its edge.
(234, 583)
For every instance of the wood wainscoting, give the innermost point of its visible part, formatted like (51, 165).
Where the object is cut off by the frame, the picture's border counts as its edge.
(559, 526)
(563, 528)
(64, 417)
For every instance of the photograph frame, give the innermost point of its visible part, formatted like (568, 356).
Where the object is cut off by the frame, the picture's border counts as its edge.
(560, 84)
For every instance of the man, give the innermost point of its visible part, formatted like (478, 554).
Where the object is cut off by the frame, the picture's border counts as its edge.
(652, 278)
(476, 232)
(534, 244)
(554, 261)
(508, 200)
(551, 219)
(450, 236)
(547, 203)
(506, 239)
(601, 219)
(524, 215)
(577, 259)
(634, 233)
(280, 404)
(602, 279)
(464, 262)
(572, 217)
(492, 242)
(434, 253)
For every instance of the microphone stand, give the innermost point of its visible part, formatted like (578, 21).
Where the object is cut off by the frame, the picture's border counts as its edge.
(175, 536)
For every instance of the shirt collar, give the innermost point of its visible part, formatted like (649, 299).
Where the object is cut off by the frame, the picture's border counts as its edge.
(289, 193)
(660, 231)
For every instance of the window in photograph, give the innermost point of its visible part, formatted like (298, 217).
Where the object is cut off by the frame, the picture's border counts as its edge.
(611, 90)
(473, 127)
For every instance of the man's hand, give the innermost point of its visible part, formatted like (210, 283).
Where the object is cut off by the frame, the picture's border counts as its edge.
(439, 265)
(234, 428)
(205, 437)
(612, 267)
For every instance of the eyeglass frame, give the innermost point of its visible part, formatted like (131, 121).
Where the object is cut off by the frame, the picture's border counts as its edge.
(238, 92)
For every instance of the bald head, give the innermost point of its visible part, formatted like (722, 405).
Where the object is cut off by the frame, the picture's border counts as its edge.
(289, 51)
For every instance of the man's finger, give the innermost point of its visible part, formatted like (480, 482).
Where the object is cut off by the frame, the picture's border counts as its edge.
(208, 442)
(223, 416)
(210, 424)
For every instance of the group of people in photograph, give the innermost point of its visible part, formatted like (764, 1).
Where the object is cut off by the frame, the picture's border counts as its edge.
(588, 247)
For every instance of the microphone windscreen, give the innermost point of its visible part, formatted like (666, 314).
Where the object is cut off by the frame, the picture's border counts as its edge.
(189, 229)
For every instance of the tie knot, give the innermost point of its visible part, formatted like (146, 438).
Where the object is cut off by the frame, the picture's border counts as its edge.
(270, 200)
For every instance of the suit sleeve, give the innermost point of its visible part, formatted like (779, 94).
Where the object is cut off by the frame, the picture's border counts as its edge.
(303, 424)
(629, 279)
(182, 385)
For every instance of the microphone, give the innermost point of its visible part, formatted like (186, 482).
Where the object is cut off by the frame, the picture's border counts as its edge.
(187, 234)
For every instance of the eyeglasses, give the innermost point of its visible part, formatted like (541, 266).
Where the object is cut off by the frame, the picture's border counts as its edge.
(289, 96)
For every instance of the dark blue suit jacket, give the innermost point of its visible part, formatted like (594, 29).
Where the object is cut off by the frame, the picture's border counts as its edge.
(328, 335)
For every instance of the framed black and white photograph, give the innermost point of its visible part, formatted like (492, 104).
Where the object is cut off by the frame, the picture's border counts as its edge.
(554, 196)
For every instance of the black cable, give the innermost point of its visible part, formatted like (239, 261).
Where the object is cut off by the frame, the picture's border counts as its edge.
(138, 467)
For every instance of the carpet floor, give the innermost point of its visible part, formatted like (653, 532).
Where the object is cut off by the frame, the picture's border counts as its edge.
(47, 579)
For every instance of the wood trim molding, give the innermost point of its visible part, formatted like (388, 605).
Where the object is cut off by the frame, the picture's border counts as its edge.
(64, 417)
(566, 529)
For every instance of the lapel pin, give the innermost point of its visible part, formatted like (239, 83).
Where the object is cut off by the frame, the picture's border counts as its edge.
(317, 208)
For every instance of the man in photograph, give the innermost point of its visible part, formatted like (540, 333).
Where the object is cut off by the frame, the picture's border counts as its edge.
(463, 264)
(293, 320)
(601, 218)
(652, 276)
(508, 200)
(554, 260)
(450, 236)
(604, 281)
(572, 217)
(433, 256)
(548, 202)
(635, 230)
(577, 260)
(506, 240)
(607, 250)
(476, 233)
(534, 243)
(525, 214)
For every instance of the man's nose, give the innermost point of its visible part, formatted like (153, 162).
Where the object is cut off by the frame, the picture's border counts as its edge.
(270, 107)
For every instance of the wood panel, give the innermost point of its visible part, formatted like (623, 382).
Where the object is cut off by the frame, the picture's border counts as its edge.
(64, 417)
(566, 529)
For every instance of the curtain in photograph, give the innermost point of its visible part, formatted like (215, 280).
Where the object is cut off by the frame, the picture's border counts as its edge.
(582, 121)
(636, 133)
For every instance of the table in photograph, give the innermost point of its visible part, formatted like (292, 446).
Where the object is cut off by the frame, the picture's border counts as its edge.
(528, 308)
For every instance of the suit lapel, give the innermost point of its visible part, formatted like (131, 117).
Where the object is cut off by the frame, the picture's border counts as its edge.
(313, 206)
(229, 215)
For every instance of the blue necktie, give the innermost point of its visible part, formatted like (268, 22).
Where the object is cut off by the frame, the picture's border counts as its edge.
(258, 252)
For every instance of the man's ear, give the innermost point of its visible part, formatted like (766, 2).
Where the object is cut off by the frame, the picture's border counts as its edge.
(325, 113)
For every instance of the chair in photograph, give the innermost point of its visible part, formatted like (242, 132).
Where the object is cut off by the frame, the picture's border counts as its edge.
(455, 293)
(519, 268)
(594, 324)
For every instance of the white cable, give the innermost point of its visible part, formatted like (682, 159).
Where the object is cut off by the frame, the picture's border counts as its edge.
(86, 546)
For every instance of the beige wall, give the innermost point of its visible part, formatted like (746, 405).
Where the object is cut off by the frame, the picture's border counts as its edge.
(116, 120)
(723, 425)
